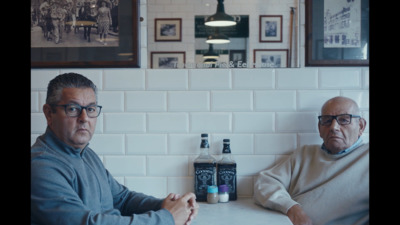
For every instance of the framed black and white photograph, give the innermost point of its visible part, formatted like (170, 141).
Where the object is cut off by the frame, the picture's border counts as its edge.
(237, 58)
(337, 33)
(270, 58)
(167, 60)
(168, 29)
(98, 33)
(270, 28)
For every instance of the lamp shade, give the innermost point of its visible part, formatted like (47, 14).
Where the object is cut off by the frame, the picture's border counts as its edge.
(210, 61)
(217, 38)
(220, 18)
(210, 54)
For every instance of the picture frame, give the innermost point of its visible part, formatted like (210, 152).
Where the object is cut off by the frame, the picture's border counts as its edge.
(237, 58)
(79, 44)
(328, 44)
(270, 28)
(168, 60)
(168, 29)
(270, 58)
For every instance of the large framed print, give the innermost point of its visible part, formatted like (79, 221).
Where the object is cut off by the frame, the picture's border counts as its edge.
(270, 58)
(337, 33)
(97, 33)
(167, 60)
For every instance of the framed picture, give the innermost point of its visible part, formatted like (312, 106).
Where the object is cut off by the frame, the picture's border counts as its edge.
(237, 58)
(168, 29)
(167, 60)
(82, 40)
(270, 28)
(337, 33)
(270, 58)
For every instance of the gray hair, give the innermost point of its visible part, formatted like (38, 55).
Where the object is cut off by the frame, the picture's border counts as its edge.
(67, 80)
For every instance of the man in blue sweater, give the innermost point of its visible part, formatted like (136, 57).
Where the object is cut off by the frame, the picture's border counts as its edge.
(69, 184)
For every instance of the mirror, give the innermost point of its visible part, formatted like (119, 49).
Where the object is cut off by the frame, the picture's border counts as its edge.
(276, 47)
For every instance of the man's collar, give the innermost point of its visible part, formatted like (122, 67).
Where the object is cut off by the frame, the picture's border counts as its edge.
(355, 145)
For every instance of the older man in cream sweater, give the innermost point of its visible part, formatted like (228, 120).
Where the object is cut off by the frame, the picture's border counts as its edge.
(323, 184)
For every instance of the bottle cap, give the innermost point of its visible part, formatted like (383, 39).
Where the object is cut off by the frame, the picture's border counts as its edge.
(204, 135)
(212, 189)
(223, 188)
(226, 140)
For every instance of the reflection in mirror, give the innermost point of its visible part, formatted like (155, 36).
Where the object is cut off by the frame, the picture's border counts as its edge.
(229, 52)
(247, 50)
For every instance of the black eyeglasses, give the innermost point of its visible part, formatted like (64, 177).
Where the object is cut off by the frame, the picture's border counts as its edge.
(75, 110)
(342, 119)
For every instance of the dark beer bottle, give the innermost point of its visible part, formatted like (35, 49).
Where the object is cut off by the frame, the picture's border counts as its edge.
(226, 170)
(205, 170)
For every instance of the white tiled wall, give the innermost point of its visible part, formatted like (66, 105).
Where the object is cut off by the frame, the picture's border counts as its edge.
(149, 131)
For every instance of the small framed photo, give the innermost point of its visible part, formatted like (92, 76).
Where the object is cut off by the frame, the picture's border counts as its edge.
(270, 28)
(237, 58)
(168, 29)
(270, 58)
(167, 60)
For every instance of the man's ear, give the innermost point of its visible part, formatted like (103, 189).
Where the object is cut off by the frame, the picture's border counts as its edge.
(47, 110)
(362, 124)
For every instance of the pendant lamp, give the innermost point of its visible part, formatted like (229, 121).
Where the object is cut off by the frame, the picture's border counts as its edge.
(217, 38)
(210, 54)
(220, 18)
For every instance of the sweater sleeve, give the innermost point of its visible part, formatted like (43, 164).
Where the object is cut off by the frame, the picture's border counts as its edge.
(270, 188)
(54, 201)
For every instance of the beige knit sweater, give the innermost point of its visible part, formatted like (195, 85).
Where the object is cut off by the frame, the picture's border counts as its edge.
(331, 189)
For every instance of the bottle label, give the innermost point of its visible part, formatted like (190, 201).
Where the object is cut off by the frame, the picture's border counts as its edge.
(204, 176)
(227, 175)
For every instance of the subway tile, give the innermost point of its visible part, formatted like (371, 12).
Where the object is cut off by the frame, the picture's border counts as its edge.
(112, 101)
(34, 102)
(248, 165)
(124, 79)
(159, 79)
(125, 165)
(297, 78)
(146, 101)
(210, 122)
(40, 78)
(105, 144)
(124, 122)
(167, 166)
(360, 96)
(180, 185)
(296, 121)
(38, 123)
(183, 144)
(340, 78)
(274, 144)
(153, 186)
(206, 79)
(231, 101)
(167, 122)
(253, 122)
(190, 101)
(146, 144)
(309, 139)
(276, 100)
(313, 100)
(253, 79)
